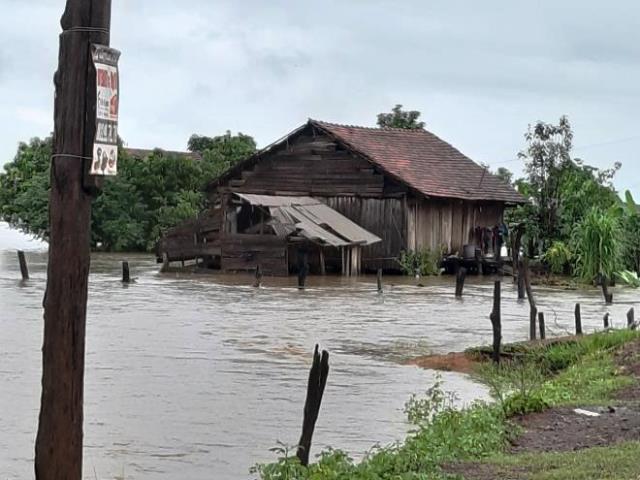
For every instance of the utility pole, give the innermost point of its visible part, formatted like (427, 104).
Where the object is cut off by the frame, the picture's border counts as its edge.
(58, 449)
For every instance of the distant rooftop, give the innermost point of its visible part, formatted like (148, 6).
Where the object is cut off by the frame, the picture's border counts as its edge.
(144, 152)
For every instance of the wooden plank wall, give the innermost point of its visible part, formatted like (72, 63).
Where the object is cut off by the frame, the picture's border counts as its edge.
(242, 252)
(448, 224)
(310, 165)
(384, 217)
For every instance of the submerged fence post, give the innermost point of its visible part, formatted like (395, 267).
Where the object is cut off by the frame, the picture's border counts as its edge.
(541, 325)
(315, 388)
(608, 297)
(165, 262)
(126, 278)
(631, 318)
(460, 277)
(578, 316)
(496, 322)
(379, 280)
(606, 320)
(24, 271)
(258, 280)
(521, 290)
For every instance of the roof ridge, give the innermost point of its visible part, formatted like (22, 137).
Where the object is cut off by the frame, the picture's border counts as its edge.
(376, 129)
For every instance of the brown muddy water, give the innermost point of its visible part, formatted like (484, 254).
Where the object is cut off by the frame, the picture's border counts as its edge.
(192, 376)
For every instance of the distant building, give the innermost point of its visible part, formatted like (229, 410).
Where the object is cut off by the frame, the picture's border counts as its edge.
(349, 198)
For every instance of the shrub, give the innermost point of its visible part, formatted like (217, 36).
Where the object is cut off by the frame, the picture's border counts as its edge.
(598, 245)
(423, 262)
(558, 257)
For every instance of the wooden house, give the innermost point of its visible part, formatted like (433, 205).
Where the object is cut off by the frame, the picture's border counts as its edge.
(400, 189)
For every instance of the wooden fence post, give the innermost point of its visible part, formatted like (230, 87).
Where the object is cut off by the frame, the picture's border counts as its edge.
(126, 278)
(521, 289)
(533, 312)
(578, 316)
(165, 262)
(460, 277)
(496, 322)
(606, 320)
(24, 271)
(631, 318)
(379, 280)
(541, 325)
(258, 281)
(608, 297)
(315, 389)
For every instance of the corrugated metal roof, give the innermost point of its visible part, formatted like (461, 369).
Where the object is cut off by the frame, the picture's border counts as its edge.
(275, 200)
(311, 219)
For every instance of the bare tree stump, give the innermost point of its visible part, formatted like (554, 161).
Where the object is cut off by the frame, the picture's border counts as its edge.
(379, 280)
(24, 271)
(460, 277)
(496, 322)
(606, 320)
(631, 319)
(315, 389)
(541, 325)
(578, 316)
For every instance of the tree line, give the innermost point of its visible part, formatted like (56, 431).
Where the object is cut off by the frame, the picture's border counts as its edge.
(148, 195)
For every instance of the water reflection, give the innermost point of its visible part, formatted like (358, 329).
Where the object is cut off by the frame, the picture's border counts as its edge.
(192, 376)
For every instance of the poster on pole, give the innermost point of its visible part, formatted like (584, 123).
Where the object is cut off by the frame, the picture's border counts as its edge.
(105, 144)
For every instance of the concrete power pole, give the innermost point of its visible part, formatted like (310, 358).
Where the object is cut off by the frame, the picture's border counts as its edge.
(58, 449)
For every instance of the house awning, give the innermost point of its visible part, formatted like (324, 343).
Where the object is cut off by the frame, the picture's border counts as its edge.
(311, 219)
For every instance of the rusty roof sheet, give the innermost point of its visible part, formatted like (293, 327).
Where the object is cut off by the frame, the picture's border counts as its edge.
(423, 161)
(311, 219)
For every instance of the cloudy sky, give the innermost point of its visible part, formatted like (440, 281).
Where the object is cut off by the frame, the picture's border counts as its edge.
(479, 71)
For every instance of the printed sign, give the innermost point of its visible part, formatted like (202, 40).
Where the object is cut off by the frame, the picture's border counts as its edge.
(105, 145)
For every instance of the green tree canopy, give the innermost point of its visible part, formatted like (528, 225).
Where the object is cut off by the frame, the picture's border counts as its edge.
(147, 196)
(399, 118)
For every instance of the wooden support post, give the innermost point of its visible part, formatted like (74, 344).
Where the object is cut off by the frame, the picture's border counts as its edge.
(460, 277)
(126, 278)
(315, 389)
(323, 270)
(521, 287)
(303, 269)
(258, 280)
(608, 297)
(631, 318)
(24, 271)
(543, 334)
(379, 280)
(533, 312)
(165, 262)
(496, 322)
(58, 444)
(578, 316)
(606, 320)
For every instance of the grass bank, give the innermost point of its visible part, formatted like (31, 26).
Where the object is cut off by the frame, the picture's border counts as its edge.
(448, 443)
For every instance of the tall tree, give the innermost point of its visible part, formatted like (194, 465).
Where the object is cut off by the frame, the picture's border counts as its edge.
(221, 152)
(504, 174)
(399, 118)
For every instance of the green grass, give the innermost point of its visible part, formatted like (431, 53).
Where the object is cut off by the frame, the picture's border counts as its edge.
(601, 463)
(581, 371)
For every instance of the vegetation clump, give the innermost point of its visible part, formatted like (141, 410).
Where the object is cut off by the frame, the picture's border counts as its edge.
(577, 372)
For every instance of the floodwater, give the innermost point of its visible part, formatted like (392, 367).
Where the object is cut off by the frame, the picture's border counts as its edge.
(198, 376)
